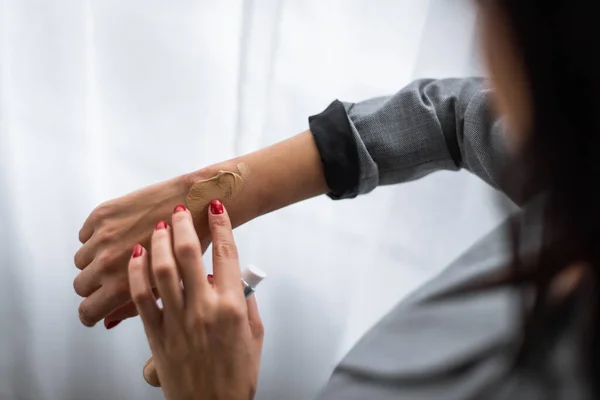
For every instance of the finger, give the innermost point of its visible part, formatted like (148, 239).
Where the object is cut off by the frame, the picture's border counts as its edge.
(90, 278)
(85, 255)
(101, 303)
(150, 374)
(164, 269)
(188, 253)
(86, 231)
(141, 291)
(254, 320)
(126, 311)
(87, 281)
(225, 257)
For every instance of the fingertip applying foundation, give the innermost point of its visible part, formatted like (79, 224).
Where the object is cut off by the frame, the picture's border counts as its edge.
(225, 185)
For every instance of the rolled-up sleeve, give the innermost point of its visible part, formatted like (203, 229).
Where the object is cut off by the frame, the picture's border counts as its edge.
(428, 126)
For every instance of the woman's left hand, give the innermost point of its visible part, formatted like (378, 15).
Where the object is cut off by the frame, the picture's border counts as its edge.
(207, 339)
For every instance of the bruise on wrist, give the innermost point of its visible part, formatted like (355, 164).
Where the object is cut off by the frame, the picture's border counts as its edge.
(224, 186)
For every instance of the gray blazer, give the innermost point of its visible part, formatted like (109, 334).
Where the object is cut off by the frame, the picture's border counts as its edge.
(460, 348)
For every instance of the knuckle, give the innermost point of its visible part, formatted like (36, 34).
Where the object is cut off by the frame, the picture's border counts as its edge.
(85, 316)
(79, 287)
(201, 319)
(187, 249)
(225, 250)
(106, 261)
(221, 222)
(164, 271)
(102, 211)
(232, 309)
(81, 236)
(78, 260)
(258, 329)
(105, 235)
(142, 297)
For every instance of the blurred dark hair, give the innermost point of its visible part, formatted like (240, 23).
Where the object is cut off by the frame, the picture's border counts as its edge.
(558, 41)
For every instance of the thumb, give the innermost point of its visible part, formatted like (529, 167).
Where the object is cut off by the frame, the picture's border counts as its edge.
(150, 374)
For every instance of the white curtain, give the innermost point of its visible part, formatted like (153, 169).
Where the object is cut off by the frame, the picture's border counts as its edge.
(98, 98)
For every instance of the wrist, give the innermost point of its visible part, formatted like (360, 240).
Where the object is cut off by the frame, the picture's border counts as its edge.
(277, 176)
(243, 207)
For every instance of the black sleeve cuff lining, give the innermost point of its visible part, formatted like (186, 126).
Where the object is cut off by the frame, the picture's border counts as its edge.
(338, 149)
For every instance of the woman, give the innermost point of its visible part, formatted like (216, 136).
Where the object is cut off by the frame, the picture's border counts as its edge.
(459, 336)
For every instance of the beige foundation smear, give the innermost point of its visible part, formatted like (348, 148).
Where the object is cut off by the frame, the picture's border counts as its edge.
(225, 185)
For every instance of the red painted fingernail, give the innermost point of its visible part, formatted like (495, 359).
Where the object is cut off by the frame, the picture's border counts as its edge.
(137, 250)
(161, 225)
(210, 278)
(111, 324)
(179, 208)
(216, 207)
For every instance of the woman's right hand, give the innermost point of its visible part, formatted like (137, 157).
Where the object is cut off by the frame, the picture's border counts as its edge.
(207, 339)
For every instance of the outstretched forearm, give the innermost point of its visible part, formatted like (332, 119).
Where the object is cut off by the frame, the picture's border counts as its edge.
(279, 175)
(349, 150)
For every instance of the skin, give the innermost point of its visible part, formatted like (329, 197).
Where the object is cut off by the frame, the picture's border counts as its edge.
(224, 185)
(511, 96)
(206, 340)
(114, 227)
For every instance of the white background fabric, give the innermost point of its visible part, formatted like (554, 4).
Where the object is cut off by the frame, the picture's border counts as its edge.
(98, 98)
